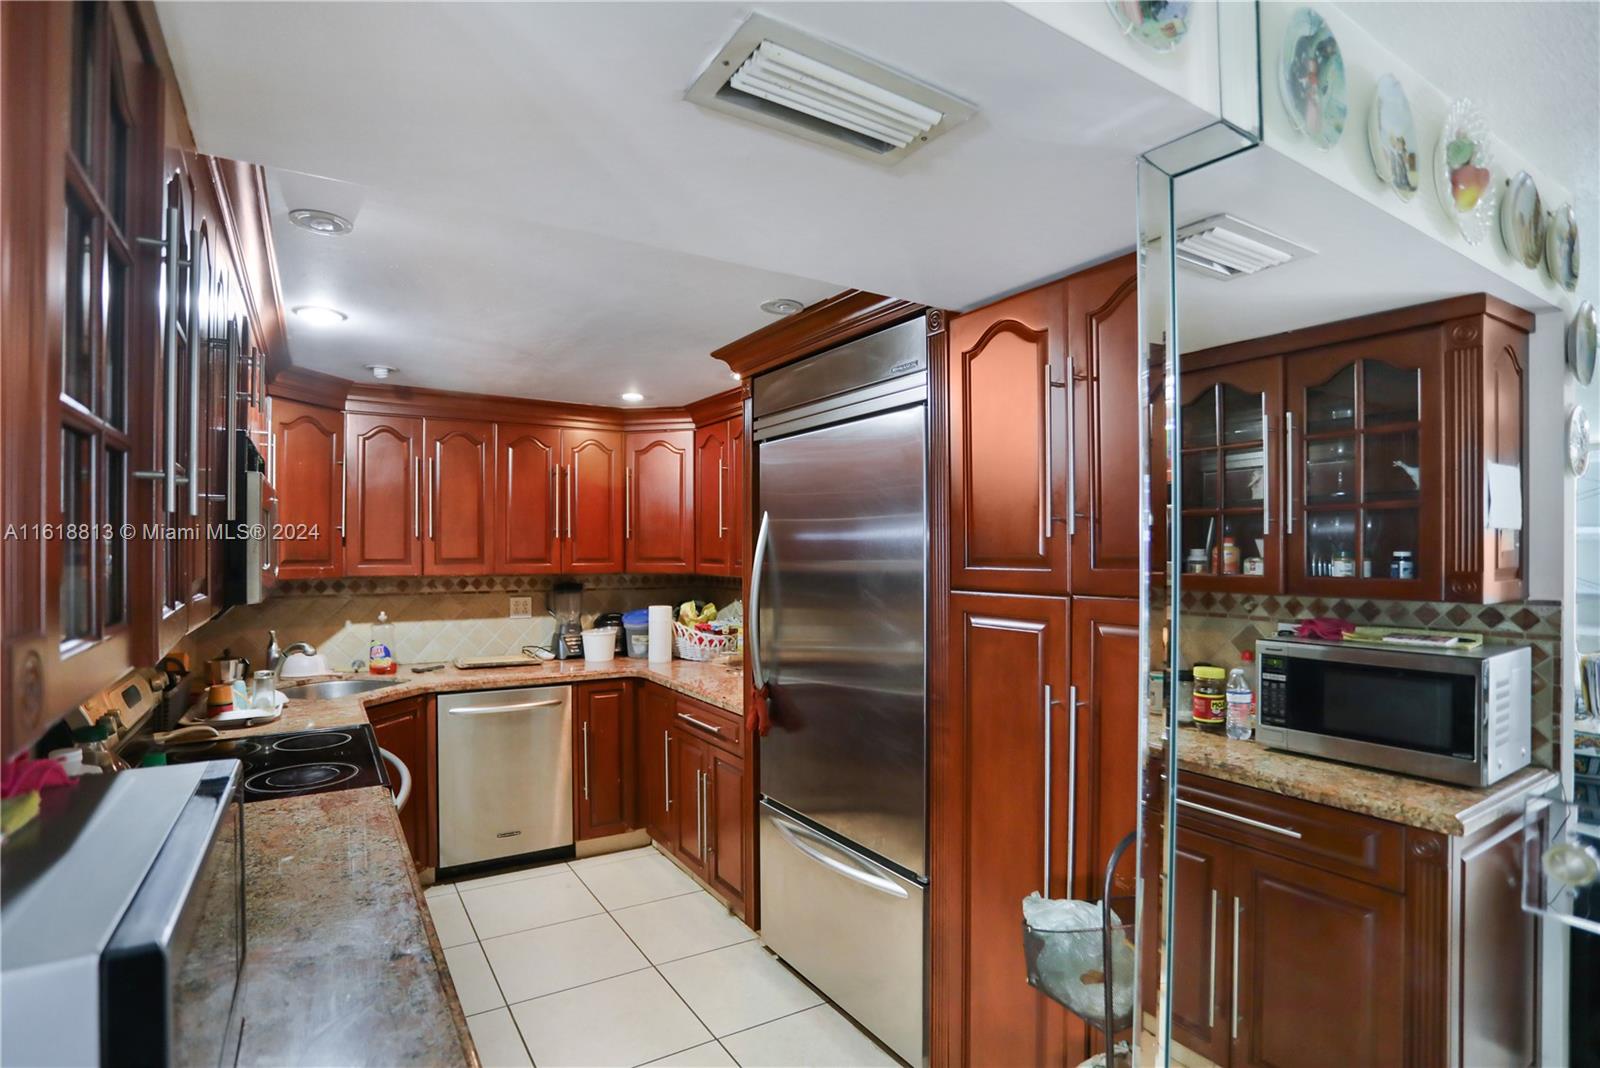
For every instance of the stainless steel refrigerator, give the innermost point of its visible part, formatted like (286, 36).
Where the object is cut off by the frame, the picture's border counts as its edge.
(838, 608)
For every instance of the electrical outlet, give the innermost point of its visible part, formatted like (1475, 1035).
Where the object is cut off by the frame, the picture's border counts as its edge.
(522, 608)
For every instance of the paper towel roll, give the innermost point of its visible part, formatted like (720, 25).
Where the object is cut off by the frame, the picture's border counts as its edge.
(660, 633)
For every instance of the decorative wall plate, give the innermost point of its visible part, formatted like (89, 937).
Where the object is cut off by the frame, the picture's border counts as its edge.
(1158, 24)
(1580, 443)
(1561, 247)
(1583, 337)
(1311, 79)
(1522, 219)
(1461, 164)
(1392, 138)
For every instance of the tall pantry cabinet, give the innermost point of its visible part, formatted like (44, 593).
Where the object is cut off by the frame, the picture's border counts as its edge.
(1045, 522)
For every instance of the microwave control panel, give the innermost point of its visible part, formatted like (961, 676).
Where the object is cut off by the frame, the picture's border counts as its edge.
(1274, 687)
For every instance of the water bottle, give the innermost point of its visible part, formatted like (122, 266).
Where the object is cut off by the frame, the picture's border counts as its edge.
(1241, 701)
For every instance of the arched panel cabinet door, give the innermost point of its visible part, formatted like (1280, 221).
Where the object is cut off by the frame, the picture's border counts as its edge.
(526, 507)
(658, 505)
(591, 501)
(383, 459)
(458, 481)
(712, 509)
(311, 491)
(1008, 526)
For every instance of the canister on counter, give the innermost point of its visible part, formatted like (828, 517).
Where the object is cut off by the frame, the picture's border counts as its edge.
(1210, 696)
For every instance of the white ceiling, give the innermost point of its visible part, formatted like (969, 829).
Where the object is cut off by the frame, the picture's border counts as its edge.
(1534, 68)
(539, 213)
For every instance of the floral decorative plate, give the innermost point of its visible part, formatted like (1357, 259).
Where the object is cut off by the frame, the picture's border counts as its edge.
(1159, 24)
(1461, 165)
(1392, 138)
(1311, 79)
(1561, 247)
(1522, 219)
(1583, 337)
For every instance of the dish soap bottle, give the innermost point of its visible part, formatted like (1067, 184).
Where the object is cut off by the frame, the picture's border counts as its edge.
(1241, 701)
(380, 650)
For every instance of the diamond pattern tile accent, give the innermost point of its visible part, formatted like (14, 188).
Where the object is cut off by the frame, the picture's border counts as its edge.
(1458, 615)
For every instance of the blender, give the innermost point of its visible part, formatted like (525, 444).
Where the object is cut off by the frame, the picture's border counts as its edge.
(566, 605)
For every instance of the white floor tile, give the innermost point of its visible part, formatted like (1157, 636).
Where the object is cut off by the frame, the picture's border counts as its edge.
(710, 1055)
(602, 859)
(450, 920)
(511, 876)
(475, 984)
(816, 1038)
(517, 906)
(498, 1041)
(738, 987)
(678, 926)
(546, 959)
(623, 1021)
(440, 890)
(644, 876)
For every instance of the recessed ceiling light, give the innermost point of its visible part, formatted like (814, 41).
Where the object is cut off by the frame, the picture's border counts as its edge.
(633, 398)
(317, 315)
(321, 222)
(381, 371)
(782, 306)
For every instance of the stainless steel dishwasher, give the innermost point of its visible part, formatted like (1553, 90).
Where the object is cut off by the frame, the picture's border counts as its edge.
(505, 773)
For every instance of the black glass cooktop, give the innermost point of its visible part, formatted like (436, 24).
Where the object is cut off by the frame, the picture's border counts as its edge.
(295, 763)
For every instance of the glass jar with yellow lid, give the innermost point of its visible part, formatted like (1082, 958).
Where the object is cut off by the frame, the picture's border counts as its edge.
(1210, 696)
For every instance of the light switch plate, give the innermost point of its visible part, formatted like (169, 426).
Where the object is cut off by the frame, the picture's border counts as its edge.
(521, 607)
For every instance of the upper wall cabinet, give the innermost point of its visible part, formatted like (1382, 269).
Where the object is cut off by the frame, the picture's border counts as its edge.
(458, 476)
(383, 469)
(592, 505)
(713, 546)
(658, 509)
(309, 448)
(527, 540)
(1359, 457)
(1044, 457)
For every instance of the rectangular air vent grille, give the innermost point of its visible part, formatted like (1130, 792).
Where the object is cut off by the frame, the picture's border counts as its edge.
(774, 75)
(1224, 247)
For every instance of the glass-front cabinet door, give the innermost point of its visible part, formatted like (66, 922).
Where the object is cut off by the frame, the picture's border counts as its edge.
(1362, 513)
(1232, 465)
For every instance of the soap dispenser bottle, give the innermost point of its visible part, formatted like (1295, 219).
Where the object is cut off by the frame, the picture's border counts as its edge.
(380, 650)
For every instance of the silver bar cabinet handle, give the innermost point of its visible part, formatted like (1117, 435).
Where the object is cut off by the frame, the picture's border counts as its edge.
(1266, 470)
(1211, 1004)
(1288, 471)
(627, 502)
(572, 478)
(555, 502)
(232, 421)
(416, 497)
(337, 451)
(195, 348)
(586, 760)
(702, 724)
(1072, 785)
(1048, 703)
(1238, 910)
(1246, 820)
(666, 767)
(1071, 386)
(167, 473)
(722, 468)
(432, 467)
(1047, 474)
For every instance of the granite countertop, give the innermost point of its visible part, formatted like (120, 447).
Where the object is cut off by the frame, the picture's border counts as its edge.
(342, 962)
(1432, 806)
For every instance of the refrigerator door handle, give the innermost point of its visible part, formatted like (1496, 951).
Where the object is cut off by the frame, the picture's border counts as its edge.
(865, 878)
(758, 674)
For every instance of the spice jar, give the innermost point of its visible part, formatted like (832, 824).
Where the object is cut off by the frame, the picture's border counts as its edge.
(1210, 702)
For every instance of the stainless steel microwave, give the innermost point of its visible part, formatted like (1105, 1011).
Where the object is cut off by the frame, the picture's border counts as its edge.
(1459, 716)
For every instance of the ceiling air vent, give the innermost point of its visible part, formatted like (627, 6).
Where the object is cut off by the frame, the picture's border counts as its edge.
(779, 77)
(1225, 247)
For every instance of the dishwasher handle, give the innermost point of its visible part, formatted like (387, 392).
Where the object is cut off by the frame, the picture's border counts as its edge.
(492, 710)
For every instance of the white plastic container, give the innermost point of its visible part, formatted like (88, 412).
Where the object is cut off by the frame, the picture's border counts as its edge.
(600, 646)
(660, 633)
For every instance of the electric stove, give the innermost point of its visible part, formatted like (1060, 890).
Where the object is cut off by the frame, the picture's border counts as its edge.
(296, 762)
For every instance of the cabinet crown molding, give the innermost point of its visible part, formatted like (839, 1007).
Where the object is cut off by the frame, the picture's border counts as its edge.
(842, 317)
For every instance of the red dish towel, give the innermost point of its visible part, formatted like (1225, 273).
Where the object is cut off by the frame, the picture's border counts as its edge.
(1326, 629)
(758, 718)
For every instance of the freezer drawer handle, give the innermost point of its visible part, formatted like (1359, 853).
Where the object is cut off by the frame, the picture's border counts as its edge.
(865, 878)
(490, 710)
(702, 724)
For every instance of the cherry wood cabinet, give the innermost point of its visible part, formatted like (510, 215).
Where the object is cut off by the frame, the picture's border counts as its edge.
(734, 504)
(309, 452)
(1103, 734)
(458, 467)
(728, 834)
(527, 540)
(1202, 937)
(1007, 683)
(689, 840)
(402, 727)
(592, 505)
(383, 494)
(658, 510)
(603, 776)
(654, 748)
(1334, 453)
(1105, 519)
(714, 510)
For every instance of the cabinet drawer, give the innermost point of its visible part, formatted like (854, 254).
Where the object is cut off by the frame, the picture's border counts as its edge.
(713, 724)
(1346, 843)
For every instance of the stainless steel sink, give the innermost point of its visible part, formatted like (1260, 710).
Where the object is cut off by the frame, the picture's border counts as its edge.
(313, 691)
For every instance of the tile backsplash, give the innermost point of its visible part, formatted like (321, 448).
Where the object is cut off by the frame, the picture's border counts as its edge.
(1218, 626)
(434, 618)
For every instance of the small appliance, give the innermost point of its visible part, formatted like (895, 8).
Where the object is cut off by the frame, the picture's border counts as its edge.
(1456, 715)
(124, 919)
(250, 550)
(566, 605)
